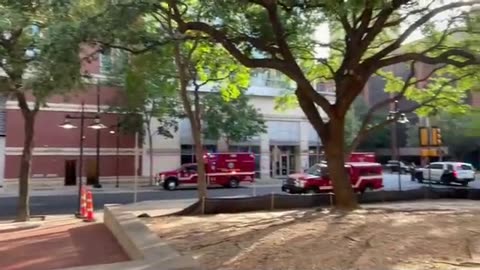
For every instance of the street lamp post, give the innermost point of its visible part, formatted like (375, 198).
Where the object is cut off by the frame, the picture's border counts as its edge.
(117, 161)
(68, 125)
(96, 183)
(397, 117)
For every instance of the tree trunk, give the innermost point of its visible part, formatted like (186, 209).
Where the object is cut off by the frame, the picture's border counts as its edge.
(201, 180)
(23, 205)
(345, 198)
(183, 65)
(150, 154)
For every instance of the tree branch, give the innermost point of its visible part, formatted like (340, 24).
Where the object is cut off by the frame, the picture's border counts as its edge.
(403, 18)
(365, 130)
(413, 27)
(289, 68)
(365, 17)
(277, 27)
(443, 58)
(379, 24)
(130, 50)
(306, 4)
(312, 113)
(368, 117)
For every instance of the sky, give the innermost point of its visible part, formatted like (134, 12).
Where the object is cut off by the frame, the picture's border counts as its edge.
(322, 34)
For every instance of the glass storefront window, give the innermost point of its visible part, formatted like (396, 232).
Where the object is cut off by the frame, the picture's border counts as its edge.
(188, 152)
(315, 155)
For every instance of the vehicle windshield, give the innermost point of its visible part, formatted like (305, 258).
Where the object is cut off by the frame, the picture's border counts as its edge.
(189, 168)
(316, 170)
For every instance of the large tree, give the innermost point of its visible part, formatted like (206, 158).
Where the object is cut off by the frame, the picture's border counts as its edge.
(366, 36)
(39, 57)
(136, 27)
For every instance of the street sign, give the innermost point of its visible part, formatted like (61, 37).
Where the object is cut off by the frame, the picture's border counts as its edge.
(425, 152)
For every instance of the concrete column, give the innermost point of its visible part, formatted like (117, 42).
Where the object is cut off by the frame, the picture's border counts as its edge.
(302, 153)
(166, 152)
(264, 156)
(222, 145)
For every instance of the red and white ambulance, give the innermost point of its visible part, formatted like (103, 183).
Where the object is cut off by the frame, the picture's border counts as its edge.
(364, 176)
(222, 169)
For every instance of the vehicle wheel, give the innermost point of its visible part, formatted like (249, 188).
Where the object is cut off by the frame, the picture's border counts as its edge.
(419, 177)
(311, 191)
(402, 171)
(233, 183)
(170, 184)
(465, 184)
(444, 180)
(366, 189)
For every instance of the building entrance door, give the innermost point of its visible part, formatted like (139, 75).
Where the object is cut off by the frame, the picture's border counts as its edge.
(284, 165)
(282, 161)
(70, 172)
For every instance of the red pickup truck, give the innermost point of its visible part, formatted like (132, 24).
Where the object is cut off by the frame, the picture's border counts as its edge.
(222, 169)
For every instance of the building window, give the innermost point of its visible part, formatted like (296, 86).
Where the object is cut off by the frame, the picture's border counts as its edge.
(112, 59)
(315, 155)
(325, 87)
(106, 63)
(269, 78)
(187, 152)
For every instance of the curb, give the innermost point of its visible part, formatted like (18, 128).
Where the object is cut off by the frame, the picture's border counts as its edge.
(146, 250)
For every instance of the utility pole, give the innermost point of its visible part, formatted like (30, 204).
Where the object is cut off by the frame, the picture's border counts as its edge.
(394, 139)
(135, 178)
(97, 162)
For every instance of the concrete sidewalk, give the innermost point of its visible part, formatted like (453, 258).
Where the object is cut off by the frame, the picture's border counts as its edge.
(57, 243)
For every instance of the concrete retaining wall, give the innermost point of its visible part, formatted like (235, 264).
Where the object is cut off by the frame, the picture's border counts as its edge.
(287, 201)
(144, 247)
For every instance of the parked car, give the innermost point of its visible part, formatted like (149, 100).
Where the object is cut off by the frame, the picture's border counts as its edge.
(364, 176)
(399, 166)
(446, 173)
(221, 169)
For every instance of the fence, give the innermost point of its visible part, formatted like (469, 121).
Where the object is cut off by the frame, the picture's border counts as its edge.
(276, 201)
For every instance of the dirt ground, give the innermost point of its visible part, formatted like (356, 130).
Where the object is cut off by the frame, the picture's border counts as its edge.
(58, 245)
(425, 235)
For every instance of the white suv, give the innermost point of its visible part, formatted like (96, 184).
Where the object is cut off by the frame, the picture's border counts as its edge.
(447, 172)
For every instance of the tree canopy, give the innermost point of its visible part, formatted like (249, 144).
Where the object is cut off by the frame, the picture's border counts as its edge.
(236, 119)
(39, 47)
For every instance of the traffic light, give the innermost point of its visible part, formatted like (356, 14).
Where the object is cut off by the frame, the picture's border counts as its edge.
(436, 136)
(423, 135)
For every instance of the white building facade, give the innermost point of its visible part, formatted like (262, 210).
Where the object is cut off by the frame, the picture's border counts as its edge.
(289, 145)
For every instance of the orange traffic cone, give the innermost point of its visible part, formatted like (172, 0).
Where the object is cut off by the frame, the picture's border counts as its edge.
(89, 217)
(83, 204)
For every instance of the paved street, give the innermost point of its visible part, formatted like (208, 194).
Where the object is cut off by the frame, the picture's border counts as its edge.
(65, 204)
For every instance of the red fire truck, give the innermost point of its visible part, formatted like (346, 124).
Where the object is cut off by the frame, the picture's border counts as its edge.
(362, 157)
(364, 176)
(222, 169)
